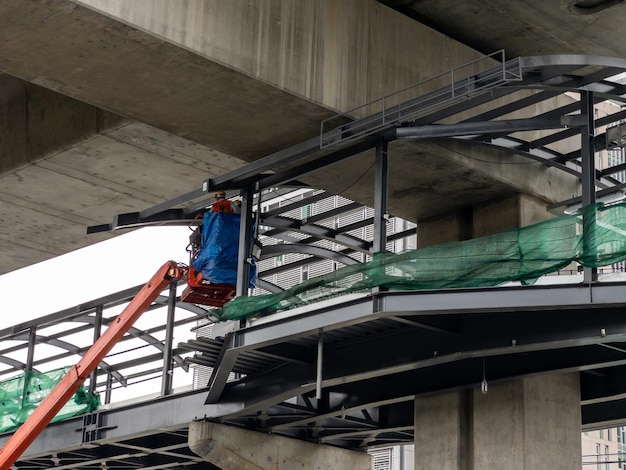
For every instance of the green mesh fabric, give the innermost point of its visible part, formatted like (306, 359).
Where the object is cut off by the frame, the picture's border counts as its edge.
(18, 401)
(522, 255)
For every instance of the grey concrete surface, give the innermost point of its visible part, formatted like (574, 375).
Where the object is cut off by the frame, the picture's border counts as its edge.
(221, 445)
(526, 424)
(524, 27)
(230, 80)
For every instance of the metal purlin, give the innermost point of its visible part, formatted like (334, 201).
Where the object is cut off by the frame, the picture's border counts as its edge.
(32, 339)
(97, 329)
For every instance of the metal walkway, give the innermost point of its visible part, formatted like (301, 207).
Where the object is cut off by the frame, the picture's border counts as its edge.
(379, 351)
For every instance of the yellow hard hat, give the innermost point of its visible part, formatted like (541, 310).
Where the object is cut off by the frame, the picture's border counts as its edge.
(220, 194)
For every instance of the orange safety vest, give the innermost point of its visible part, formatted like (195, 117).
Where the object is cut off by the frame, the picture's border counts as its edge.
(223, 205)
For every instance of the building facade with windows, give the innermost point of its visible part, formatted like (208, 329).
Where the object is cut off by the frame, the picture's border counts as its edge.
(604, 449)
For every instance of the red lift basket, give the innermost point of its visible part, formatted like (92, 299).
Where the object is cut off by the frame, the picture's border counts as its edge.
(204, 293)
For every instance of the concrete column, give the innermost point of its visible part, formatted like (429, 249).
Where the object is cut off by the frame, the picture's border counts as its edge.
(488, 218)
(526, 424)
(441, 431)
(231, 448)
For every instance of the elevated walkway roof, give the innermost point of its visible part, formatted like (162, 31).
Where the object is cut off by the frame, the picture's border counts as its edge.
(470, 109)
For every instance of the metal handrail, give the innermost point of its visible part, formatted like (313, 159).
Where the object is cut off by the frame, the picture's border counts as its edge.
(389, 110)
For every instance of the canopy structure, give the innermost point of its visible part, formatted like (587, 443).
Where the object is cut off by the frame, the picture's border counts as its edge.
(472, 105)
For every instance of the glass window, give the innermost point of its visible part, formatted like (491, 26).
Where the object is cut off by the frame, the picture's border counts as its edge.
(598, 464)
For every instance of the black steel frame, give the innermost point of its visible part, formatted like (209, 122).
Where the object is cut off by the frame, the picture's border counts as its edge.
(382, 349)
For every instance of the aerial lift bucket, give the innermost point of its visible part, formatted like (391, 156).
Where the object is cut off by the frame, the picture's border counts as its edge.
(202, 292)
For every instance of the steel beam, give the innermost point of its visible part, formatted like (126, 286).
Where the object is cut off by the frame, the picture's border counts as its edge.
(168, 371)
(243, 255)
(300, 248)
(489, 127)
(465, 301)
(171, 413)
(97, 329)
(224, 366)
(381, 183)
(587, 151)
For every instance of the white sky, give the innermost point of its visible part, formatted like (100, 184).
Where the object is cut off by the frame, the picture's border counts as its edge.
(86, 274)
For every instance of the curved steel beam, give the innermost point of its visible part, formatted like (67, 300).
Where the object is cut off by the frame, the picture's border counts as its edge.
(268, 286)
(72, 349)
(17, 365)
(289, 224)
(300, 248)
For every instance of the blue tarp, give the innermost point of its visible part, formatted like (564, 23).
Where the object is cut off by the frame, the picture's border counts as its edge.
(217, 260)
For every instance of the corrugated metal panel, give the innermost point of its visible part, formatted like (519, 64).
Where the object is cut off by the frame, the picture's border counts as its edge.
(320, 268)
(293, 213)
(369, 233)
(329, 245)
(293, 257)
(202, 374)
(350, 217)
(341, 201)
(382, 459)
(288, 279)
(324, 205)
(265, 264)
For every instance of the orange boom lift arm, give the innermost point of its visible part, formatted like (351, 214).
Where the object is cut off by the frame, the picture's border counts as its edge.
(69, 384)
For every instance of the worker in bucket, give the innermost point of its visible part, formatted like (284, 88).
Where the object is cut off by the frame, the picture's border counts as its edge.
(222, 204)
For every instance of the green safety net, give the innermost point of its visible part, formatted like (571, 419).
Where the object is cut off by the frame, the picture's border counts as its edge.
(19, 396)
(594, 237)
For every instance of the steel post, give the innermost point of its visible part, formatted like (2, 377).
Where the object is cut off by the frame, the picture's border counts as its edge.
(380, 198)
(587, 151)
(245, 229)
(168, 371)
(97, 328)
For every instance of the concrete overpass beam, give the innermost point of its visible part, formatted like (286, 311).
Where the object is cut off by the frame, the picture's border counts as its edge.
(231, 448)
(13, 112)
(36, 122)
(527, 424)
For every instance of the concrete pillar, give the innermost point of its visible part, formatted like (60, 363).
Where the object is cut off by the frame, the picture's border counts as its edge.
(514, 212)
(526, 424)
(231, 448)
(488, 218)
(441, 431)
